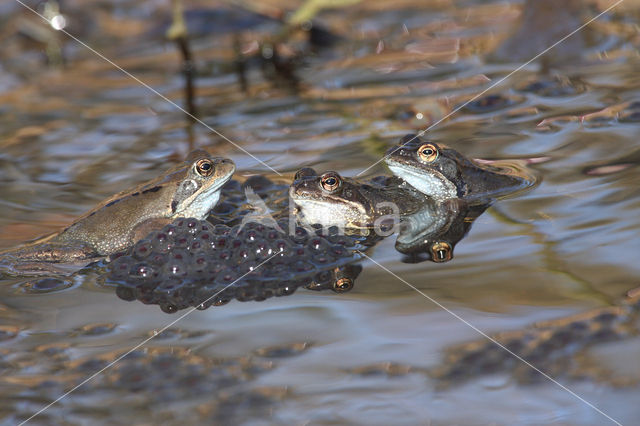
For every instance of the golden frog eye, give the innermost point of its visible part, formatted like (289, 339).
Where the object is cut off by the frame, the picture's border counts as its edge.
(441, 252)
(428, 153)
(204, 167)
(343, 285)
(330, 181)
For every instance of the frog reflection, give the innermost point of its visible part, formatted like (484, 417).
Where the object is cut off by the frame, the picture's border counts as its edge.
(433, 232)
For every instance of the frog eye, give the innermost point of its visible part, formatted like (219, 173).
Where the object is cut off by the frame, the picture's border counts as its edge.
(343, 285)
(441, 252)
(204, 167)
(330, 181)
(428, 152)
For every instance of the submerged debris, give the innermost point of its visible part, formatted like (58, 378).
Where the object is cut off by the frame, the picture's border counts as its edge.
(553, 347)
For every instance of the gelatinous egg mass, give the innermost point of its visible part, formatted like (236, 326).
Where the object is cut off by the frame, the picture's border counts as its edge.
(195, 263)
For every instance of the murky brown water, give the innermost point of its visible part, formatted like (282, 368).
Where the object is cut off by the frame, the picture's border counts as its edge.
(72, 135)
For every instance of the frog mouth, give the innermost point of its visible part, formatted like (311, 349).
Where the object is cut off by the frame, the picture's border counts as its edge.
(200, 204)
(211, 191)
(429, 183)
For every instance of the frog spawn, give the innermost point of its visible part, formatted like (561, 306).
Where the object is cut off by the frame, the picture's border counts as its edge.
(557, 347)
(195, 263)
(162, 384)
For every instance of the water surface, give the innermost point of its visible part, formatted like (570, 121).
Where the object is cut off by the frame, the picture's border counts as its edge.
(72, 135)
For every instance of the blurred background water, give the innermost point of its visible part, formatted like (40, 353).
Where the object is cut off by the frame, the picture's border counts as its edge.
(74, 130)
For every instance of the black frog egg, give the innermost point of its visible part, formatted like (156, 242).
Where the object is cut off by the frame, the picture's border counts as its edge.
(221, 242)
(142, 249)
(181, 241)
(214, 268)
(331, 231)
(299, 254)
(224, 255)
(203, 225)
(172, 229)
(262, 250)
(159, 236)
(236, 243)
(282, 245)
(322, 259)
(145, 294)
(203, 305)
(120, 267)
(339, 251)
(317, 244)
(45, 285)
(265, 293)
(219, 301)
(226, 276)
(286, 289)
(162, 243)
(300, 235)
(179, 254)
(250, 236)
(205, 240)
(301, 266)
(198, 263)
(244, 254)
(157, 258)
(192, 226)
(272, 235)
(246, 292)
(168, 308)
(196, 246)
(125, 293)
(299, 251)
(245, 268)
(178, 226)
(270, 271)
(142, 271)
(253, 292)
(342, 240)
(176, 265)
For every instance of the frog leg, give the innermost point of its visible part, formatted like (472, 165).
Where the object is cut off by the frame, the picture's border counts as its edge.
(144, 228)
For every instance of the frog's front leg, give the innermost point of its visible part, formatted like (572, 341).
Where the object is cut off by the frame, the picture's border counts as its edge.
(148, 226)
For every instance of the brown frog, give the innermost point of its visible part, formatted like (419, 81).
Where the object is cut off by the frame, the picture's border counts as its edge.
(443, 173)
(332, 200)
(189, 189)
